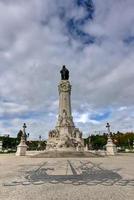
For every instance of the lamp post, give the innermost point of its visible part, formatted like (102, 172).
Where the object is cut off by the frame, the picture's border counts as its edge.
(39, 144)
(108, 128)
(27, 136)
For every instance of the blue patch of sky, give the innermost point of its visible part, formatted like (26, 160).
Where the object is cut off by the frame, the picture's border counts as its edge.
(88, 5)
(7, 123)
(129, 40)
(101, 116)
(76, 32)
(4, 99)
(75, 26)
(24, 116)
(31, 115)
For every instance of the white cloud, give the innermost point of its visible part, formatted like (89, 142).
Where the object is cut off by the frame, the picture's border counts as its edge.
(122, 108)
(83, 118)
(12, 108)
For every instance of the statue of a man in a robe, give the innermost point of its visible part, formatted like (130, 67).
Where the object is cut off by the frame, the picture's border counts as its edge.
(64, 73)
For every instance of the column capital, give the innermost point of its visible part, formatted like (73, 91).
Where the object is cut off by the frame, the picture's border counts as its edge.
(64, 86)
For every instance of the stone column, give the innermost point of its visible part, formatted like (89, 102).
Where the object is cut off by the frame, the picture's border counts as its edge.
(22, 147)
(65, 102)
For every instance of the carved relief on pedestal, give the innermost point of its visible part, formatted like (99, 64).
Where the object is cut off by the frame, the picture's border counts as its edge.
(65, 120)
(53, 134)
(64, 142)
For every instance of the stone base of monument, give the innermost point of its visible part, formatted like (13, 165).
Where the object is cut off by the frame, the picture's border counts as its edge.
(111, 149)
(64, 154)
(21, 150)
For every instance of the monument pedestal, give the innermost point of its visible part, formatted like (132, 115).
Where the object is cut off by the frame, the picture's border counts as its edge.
(21, 150)
(110, 147)
(22, 147)
(86, 148)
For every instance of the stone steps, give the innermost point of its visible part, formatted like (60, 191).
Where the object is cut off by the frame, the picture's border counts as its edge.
(64, 154)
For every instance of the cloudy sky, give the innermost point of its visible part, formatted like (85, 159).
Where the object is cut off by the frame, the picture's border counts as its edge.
(94, 39)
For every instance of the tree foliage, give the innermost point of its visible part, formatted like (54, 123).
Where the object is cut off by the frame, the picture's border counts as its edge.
(122, 140)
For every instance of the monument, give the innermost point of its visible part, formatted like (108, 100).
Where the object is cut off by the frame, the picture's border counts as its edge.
(22, 147)
(110, 146)
(65, 136)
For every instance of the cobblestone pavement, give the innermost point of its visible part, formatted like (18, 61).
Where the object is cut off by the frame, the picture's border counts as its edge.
(107, 178)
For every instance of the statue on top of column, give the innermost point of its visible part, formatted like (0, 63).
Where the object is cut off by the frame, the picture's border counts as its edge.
(64, 73)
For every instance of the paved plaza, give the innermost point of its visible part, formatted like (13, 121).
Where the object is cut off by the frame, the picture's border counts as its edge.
(104, 178)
